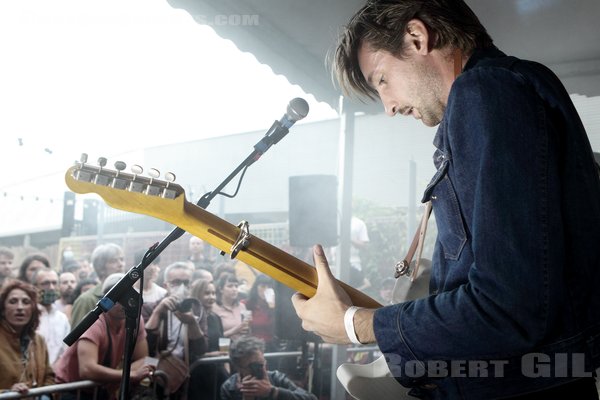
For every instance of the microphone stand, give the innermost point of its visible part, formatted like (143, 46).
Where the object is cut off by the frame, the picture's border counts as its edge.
(123, 290)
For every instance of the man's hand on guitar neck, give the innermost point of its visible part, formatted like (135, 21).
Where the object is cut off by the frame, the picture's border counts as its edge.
(323, 314)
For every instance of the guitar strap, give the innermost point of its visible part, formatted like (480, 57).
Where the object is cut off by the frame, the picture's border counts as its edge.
(403, 267)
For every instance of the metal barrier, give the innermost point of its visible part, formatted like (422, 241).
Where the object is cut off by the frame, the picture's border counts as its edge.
(225, 359)
(76, 386)
(51, 389)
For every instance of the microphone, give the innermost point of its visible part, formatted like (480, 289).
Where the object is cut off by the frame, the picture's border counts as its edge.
(296, 110)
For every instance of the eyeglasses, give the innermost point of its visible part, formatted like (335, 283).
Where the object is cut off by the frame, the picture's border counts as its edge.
(179, 282)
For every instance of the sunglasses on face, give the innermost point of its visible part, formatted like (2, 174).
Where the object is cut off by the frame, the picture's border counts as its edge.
(179, 282)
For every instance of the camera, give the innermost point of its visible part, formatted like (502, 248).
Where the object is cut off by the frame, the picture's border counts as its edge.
(186, 305)
(256, 369)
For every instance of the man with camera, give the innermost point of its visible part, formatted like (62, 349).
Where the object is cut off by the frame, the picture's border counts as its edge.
(173, 330)
(252, 380)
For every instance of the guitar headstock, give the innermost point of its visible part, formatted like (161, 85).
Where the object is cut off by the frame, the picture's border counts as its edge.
(125, 190)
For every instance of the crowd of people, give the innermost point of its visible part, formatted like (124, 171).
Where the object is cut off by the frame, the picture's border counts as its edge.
(190, 309)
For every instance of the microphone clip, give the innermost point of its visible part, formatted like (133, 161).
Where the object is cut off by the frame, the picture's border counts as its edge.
(275, 133)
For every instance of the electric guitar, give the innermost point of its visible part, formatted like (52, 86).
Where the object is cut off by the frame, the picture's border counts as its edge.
(166, 200)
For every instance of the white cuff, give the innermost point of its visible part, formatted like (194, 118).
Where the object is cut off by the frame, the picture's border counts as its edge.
(349, 324)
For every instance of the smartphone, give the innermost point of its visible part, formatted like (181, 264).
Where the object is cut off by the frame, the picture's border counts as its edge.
(256, 369)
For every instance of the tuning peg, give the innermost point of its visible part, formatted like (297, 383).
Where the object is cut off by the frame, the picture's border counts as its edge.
(133, 185)
(137, 169)
(79, 173)
(101, 178)
(152, 190)
(117, 182)
(120, 166)
(170, 177)
(169, 193)
(153, 173)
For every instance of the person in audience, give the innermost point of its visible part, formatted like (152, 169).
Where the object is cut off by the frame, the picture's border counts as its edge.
(172, 327)
(6, 264)
(203, 274)
(206, 379)
(210, 322)
(386, 290)
(197, 255)
(223, 268)
(75, 268)
(83, 286)
(87, 270)
(229, 308)
(153, 293)
(261, 301)
(67, 282)
(98, 354)
(253, 380)
(23, 353)
(31, 264)
(54, 325)
(67, 257)
(107, 259)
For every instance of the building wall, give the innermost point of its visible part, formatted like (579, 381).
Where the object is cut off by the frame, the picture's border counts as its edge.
(383, 149)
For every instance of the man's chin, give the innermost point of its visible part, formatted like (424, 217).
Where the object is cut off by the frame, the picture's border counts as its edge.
(430, 123)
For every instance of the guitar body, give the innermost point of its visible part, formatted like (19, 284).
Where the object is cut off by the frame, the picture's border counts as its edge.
(371, 381)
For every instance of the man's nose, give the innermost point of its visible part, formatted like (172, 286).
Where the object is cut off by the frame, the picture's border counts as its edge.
(390, 106)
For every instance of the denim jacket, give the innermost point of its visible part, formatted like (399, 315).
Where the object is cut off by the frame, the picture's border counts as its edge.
(514, 303)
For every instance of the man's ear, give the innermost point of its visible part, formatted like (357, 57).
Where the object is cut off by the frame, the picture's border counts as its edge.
(417, 37)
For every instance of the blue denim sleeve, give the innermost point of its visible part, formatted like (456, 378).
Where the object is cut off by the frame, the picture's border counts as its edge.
(502, 153)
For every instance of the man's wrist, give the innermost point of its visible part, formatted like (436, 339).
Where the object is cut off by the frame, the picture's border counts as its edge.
(363, 325)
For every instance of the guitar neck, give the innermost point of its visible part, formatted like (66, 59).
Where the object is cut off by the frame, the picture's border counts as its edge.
(262, 255)
(219, 233)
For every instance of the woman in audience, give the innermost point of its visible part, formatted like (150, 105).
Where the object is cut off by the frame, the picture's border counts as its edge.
(229, 309)
(97, 354)
(31, 264)
(206, 379)
(23, 353)
(261, 301)
(210, 322)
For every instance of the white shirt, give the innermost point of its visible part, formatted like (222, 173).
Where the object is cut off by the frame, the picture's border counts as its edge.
(54, 326)
(154, 294)
(358, 233)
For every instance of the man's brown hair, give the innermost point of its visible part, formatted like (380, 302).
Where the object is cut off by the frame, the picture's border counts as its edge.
(382, 25)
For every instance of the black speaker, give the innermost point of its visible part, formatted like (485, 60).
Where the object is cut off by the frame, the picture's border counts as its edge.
(313, 210)
(89, 225)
